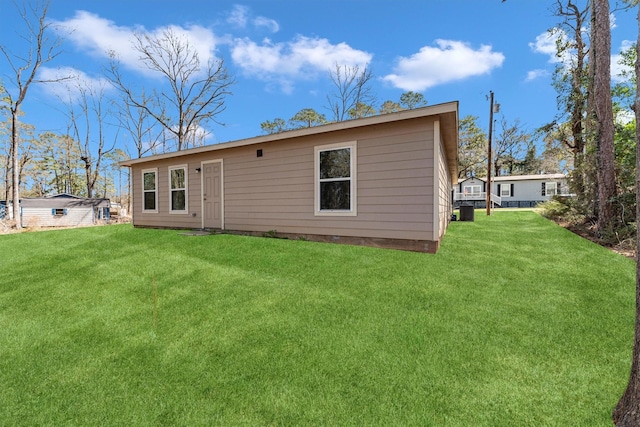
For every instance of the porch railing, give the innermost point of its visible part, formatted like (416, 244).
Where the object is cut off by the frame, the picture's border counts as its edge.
(477, 197)
(470, 196)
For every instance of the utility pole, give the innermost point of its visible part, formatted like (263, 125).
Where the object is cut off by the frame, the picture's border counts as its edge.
(489, 156)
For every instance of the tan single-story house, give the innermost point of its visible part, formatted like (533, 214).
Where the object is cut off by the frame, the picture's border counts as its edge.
(383, 181)
(63, 210)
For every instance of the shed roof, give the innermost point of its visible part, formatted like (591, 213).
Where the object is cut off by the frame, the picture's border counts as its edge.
(65, 200)
(447, 113)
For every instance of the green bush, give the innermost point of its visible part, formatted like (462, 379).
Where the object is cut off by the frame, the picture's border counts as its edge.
(554, 209)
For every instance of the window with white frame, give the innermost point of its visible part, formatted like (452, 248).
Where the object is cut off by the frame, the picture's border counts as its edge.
(150, 190)
(505, 190)
(472, 190)
(178, 189)
(549, 188)
(335, 179)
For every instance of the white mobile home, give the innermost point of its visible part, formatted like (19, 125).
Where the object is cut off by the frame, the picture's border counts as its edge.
(511, 191)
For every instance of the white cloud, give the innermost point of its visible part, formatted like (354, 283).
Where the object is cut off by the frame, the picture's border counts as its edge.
(269, 24)
(618, 69)
(200, 39)
(99, 36)
(448, 61)
(535, 74)
(68, 83)
(301, 58)
(612, 21)
(546, 44)
(238, 16)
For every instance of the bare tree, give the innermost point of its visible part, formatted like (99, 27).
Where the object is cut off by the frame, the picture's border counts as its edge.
(472, 152)
(195, 93)
(24, 66)
(87, 115)
(141, 127)
(352, 89)
(571, 80)
(509, 146)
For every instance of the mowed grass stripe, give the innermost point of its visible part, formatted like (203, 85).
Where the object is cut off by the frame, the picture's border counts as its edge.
(514, 322)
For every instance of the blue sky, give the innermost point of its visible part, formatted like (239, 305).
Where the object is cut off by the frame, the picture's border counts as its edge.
(280, 52)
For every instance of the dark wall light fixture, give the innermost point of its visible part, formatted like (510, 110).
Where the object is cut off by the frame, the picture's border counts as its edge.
(198, 170)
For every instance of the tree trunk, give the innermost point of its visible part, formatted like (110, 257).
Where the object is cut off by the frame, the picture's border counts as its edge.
(87, 172)
(627, 411)
(15, 169)
(7, 175)
(604, 134)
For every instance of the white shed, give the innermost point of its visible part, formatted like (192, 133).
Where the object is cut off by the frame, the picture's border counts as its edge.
(63, 210)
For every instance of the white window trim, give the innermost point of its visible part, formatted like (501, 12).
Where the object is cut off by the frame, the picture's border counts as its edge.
(502, 188)
(155, 171)
(546, 188)
(186, 189)
(352, 145)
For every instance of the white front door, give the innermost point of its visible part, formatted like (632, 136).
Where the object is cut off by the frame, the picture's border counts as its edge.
(212, 195)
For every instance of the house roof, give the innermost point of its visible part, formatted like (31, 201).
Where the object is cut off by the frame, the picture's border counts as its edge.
(447, 114)
(518, 177)
(528, 177)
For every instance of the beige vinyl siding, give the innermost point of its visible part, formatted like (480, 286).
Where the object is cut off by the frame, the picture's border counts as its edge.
(445, 207)
(276, 191)
(41, 217)
(395, 185)
(163, 218)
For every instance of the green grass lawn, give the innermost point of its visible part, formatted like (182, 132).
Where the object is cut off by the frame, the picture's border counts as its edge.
(515, 322)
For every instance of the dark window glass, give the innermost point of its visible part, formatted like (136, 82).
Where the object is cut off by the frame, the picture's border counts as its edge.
(149, 201)
(335, 163)
(335, 195)
(149, 181)
(177, 178)
(177, 200)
